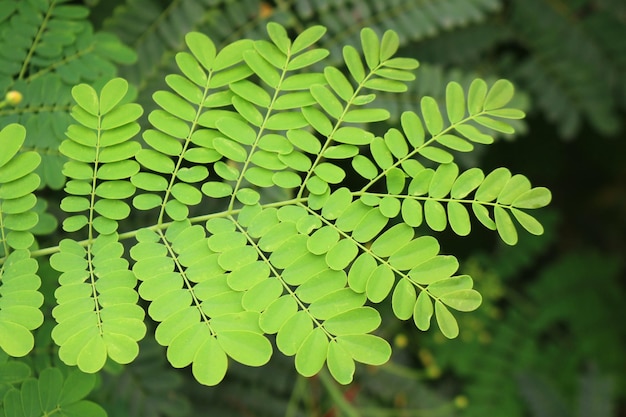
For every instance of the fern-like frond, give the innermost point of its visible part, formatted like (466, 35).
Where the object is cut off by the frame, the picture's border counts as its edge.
(49, 47)
(412, 20)
(302, 268)
(97, 312)
(572, 79)
(20, 299)
(308, 268)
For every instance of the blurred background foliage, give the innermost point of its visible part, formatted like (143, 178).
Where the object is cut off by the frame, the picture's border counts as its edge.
(550, 338)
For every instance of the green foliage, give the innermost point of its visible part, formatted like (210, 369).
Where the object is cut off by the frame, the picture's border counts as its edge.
(50, 393)
(271, 203)
(302, 268)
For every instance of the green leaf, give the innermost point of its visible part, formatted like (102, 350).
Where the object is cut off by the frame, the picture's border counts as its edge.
(340, 255)
(356, 321)
(245, 347)
(389, 45)
(271, 53)
(353, 61)
(230, 149)
(279, 36)
(322, 240)
(434, 269)
(436, 155)
(442, 180)
(87, 98)
(455, 102)
(251, 92)
(395, 74)
(496, 125)
(392, 240)
(307, 38)
(232, 54)
(528, 222)
(191, 68)
(403, 299)
(382, 84)
(535, 198)
(413, 129)
(473, 134)
(352, 135)
(414, 253)
(111, 94)
(319, 285)
(307, 59)
(277, 313)
(493, 184)
(508, 113)
(462, 300)
(370, 225)
(293, 333)
(459, 218)
(435, 215)
(432, 115)
(455, 143)
(262, 68)
(516, 186)
(423, 311)
(380, 283)
(217, 189)
(366, 348)
(482, 214)
(339, 83)
(499, 95)
(476, 96)
(364, 167)
(390, 206)
(504, 224)
(381, 153)
(312, 353)
(395, 181)
(446, 321)
(360, 270)
(371, 47)
(11, 139)
(340, 363)
(402, 63)
(330, 173)
(202, 48)
(327, 100)
(467, 182)
(335, 303)
(341, 152)
(236, 130)
(396, 143)
(210, 363)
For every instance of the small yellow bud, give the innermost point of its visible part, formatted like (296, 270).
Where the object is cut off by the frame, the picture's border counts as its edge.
(13, 97)
(401, 341)
(461, 401)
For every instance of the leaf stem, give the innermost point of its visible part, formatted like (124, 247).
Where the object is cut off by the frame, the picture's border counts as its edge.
(346, 408)
(162, 226)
